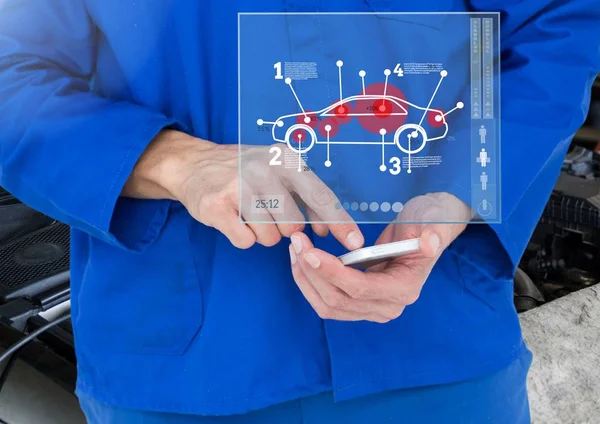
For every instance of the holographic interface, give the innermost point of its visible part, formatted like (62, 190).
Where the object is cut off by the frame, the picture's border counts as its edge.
(347, 117)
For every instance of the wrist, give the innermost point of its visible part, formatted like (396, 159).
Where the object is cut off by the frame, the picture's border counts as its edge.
(160, 170)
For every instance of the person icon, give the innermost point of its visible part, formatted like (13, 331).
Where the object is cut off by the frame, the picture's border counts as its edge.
(484, 180)
(484, 205)
(483, 158)
(482, 134)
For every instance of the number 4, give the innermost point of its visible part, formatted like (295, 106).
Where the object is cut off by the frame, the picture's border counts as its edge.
(398, 70)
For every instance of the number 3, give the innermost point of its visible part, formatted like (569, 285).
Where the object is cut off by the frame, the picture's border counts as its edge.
(396, 169)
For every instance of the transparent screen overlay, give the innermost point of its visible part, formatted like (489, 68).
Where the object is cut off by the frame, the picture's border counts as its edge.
(355, 117)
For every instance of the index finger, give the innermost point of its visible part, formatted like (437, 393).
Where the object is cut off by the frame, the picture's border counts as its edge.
(326, 206)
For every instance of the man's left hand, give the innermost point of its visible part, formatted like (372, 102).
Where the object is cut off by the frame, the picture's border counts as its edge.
(382, 292)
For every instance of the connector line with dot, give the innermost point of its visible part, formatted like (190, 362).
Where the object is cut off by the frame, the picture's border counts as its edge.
(443, 75)
(288, 81)
(263, 122)
(382, 168)
(339, 65)
(362, 74)
(459, 105)
(328, 129)
(387, 74)
(409, 170)
(299, 152)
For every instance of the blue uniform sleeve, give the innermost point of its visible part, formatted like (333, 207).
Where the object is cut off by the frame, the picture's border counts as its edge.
(64, 150)
(550, 57)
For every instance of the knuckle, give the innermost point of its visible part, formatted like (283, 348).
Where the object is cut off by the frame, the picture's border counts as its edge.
(325, 312)
(255, 170)
(242, 242)
(411, 297)
(379, 319)
(271, 240)
(288, 229)
(322, 196)
(214, 204)
(244, 245)
(407, 293)
(394, 313)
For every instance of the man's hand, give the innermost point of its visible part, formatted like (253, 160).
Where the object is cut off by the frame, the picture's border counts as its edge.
(204, 177)
(380, 294)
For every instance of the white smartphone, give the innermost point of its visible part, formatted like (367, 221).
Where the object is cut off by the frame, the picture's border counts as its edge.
(369, 256)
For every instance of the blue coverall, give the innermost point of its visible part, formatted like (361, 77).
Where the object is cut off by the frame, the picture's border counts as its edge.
(169, 317)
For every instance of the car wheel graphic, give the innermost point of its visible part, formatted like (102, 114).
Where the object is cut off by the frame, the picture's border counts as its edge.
(304, 146)
(415, 131)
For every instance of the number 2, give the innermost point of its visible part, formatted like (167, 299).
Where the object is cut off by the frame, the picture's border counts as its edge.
(277, 67)
(275, 160)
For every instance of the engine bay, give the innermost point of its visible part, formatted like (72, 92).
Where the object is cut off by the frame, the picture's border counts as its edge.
(562, 256)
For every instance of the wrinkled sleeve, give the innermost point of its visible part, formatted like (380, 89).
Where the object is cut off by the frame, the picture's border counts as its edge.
(63, 150)
(550, 57)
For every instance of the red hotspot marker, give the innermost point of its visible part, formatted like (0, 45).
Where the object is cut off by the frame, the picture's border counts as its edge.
(342, 113)
(382, 108)
(332, 122)
(300, 136)
(382, 113)
(314, 119)
(431, 118)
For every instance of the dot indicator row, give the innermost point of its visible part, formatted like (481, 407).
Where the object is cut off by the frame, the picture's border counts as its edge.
(395, 207)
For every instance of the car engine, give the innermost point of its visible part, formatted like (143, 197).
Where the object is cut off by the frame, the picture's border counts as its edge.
(563, 255)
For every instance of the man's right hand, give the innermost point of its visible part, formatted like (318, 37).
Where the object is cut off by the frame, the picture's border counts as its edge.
(204, 177)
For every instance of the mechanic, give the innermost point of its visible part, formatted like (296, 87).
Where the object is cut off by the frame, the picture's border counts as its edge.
(119, 118)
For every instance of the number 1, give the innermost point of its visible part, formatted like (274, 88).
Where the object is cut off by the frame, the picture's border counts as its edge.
(277, 66)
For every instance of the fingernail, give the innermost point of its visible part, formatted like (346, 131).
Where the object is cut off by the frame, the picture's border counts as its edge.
(355, 240)
(297, 243)
(312, 260)
(293, 257)
(434, 242)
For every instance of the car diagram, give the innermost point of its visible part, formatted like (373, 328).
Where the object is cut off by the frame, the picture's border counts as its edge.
(298, 130)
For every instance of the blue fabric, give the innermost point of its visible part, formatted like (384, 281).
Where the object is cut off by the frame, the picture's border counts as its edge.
(497, 398)
(168, 315)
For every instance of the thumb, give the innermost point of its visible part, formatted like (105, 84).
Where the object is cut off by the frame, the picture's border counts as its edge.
(430, 243)
(437, 237)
